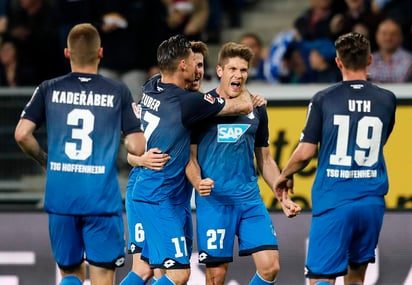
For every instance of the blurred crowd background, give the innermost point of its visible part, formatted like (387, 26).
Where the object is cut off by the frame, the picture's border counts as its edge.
(33, 36)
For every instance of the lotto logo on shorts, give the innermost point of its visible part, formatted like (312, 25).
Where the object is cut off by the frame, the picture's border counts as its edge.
(120, 262)
(169, 263)
(230, 133)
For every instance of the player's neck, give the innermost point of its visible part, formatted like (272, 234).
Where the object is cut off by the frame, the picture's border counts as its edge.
(171, 79)
(84, 69)
(348, 75)
(222, 93)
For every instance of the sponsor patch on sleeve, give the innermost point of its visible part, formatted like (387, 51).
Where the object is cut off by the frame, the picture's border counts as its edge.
(209, 98)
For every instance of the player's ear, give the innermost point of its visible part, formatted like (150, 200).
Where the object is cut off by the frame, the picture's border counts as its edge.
(219, 71)
(66, 53)
(370, 59)
(100, 52)
(338, 62)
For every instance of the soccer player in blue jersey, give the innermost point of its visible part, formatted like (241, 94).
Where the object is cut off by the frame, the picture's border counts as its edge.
(350, 121)
(221, 168)
(155, 159)
(86, 114)
(168, 112)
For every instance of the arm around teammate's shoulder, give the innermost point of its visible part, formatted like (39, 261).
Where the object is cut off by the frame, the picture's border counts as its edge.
(241, 105)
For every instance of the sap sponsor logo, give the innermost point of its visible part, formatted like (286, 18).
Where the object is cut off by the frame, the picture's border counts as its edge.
(230, 133)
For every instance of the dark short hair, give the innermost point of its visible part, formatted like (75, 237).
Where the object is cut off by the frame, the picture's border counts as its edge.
(199, 47)
(171, 51)
(353, 49)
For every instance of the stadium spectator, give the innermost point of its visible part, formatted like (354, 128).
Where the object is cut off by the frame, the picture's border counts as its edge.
(260, 54)
(67, 14)
(396, 9)
(188, 17)
(30, 24)
(12, 71)
(322, 55)
(121, 30)
(392, 63)
(358, 13)
(314, 22)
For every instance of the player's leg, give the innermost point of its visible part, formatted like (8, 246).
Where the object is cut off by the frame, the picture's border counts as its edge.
(70, 280)
(166, 240)
(356, 275)
(257, 237)
(141, 271)
(101, 275)
(104, 246)
(215, 238)
(67, 246)
(216, 273)
(365, 240)
(267, 267)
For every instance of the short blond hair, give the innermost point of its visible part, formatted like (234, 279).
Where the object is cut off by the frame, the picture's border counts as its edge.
(83, 43)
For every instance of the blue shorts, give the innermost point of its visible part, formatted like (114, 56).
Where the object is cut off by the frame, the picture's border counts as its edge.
(218, 225)
(97, 239)
(137, 237)
(134, 224)
(344, 236)
(167, 243)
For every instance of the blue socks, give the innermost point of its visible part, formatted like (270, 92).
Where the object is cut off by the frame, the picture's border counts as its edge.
(71, 280)
(257, 280)
(132, 279)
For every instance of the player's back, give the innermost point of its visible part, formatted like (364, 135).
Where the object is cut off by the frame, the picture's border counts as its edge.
(161, 118)
(354, 121)
(84, 123)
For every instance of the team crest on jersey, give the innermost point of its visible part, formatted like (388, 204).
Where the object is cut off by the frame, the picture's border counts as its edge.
(209, 98)
(230, 133)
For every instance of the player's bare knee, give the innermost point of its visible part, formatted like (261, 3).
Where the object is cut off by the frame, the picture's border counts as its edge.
(180, 276)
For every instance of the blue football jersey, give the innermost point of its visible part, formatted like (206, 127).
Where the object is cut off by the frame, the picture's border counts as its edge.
(167, 114)
(351, 121)
(226, 154)
(86, 115)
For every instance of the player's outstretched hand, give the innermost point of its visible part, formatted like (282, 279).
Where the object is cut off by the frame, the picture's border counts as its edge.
(205, 187)
(290, 208)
